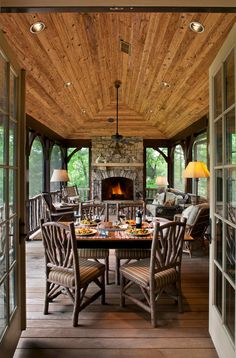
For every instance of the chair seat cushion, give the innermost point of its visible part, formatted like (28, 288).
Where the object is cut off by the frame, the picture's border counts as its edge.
(139, 273)
(132, 253)
(89, 270)
(93, 253)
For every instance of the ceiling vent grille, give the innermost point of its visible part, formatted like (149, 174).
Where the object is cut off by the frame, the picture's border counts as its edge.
(125, 47)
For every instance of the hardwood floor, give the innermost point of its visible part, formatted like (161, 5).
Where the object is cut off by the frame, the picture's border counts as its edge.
(110, 331)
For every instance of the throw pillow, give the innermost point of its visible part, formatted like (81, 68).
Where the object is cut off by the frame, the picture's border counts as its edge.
(178, 199)
(170, 202)
(187, 211)
(170, 196)
(159, 199)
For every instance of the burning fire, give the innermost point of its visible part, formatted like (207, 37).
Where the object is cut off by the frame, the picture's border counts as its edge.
(117, 190)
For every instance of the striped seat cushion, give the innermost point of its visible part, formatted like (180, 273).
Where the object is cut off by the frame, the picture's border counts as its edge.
(139, 273)
(89, 270)
(132, 253)
(93, 253)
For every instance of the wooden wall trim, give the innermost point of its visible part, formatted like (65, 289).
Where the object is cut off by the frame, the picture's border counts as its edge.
(196, 128)
(38, 9)
(34, 125)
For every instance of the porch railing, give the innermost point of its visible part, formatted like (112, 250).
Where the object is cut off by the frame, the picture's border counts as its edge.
(37, 207)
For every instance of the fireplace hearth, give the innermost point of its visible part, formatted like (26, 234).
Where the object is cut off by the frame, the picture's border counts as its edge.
(117, 188)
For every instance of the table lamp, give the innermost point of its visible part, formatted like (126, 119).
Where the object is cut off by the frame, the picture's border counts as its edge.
(162, 181)
(60, 175)
(196, 170)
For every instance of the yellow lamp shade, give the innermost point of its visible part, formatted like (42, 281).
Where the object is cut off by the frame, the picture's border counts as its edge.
(196, 170)
(161, 181)
(59, 175)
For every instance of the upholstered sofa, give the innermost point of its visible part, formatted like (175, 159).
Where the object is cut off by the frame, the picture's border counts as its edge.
(168, 203)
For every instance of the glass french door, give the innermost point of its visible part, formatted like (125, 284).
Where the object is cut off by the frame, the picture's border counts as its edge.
(223, 199)
(11, 207)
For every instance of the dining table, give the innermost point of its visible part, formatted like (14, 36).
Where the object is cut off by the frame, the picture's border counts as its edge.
(117, 238)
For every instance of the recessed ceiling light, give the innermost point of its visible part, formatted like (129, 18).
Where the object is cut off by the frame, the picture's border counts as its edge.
(197, 27)
(83, 111)
(164, 84)
(37, 27)
(67, 84)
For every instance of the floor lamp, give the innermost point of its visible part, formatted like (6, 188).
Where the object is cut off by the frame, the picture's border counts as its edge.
(196, 170)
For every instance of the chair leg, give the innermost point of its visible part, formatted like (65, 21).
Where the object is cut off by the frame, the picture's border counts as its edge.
(180, 302)
(117, 271)
(46, 299)
(122, 298)
(107, 269)
(75, 316)
(153, 310)
(103, 298)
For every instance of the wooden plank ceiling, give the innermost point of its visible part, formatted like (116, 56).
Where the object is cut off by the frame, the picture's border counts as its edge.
(84, 49)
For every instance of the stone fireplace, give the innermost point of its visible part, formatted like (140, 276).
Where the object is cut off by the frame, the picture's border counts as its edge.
(117, 174)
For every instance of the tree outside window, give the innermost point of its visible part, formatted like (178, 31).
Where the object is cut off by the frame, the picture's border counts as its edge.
(55, 163)
(156, 165)
(78, 168)
(199, 154)
(179, 166)
(36, 168)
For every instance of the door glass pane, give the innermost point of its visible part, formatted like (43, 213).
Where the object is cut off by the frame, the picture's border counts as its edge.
(219, 192)
(12, 143)
(218, 241)
(229, 80)
(3, 84)
(218, 292)
(12, 192)
(12, 302)
(217, 94)
(2, 251)
(2, 139)
(230, 251)
(13, 92)
(230, 138)
(231, 194)
(12, 241)
(3, 309)
(230, 309)
(218, 142)
(2, 194)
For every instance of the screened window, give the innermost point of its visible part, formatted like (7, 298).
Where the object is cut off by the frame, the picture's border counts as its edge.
(156, 165)
(55, 163)
(36, 168)
(199, 154)
(78, 170)
(179, 166)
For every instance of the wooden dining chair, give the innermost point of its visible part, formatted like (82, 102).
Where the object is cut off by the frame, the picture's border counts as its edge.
(89, 211)
(129, 212)
(158, 273)
(66, 273)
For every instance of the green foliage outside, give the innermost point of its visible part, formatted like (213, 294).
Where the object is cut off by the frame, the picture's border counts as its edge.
(179, 166)
(55, 163)
(36, 168)
(78, 168)
(200, 154)
(155, 166)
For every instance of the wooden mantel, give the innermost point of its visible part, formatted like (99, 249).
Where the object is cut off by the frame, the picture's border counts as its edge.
(117, 164)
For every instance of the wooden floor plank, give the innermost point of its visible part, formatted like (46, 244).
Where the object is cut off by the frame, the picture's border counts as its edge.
(114, 332)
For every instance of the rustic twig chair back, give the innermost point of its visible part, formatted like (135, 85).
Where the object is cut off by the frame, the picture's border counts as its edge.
(67, 214)
(196, 226)
(159, 273)
(89, 211)
(129, 211)
(70, 194)
(65, 272)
